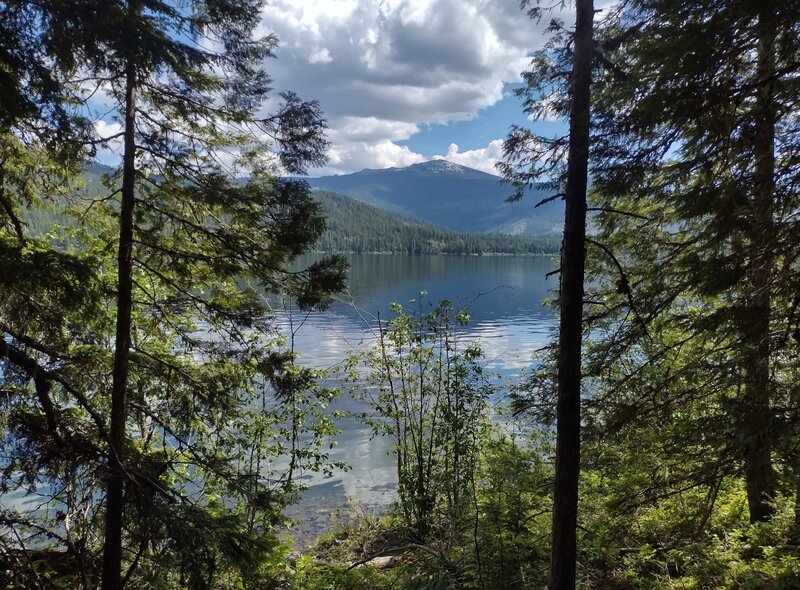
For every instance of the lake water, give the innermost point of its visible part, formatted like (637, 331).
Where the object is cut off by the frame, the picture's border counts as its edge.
(504, 297)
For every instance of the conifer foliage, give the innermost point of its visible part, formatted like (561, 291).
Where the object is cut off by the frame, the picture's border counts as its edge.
(699, 140)
(563, 76)
(136, 346)
(693, 257)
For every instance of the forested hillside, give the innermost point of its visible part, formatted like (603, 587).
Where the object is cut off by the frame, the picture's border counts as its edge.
(353, 226)
(452, 196)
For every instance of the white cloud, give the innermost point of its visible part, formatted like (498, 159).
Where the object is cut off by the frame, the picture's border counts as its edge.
(108, 152)
(360, 155)
(320, 56)
(480, 159)
(371, 129)
(383, 68)
(104, 129)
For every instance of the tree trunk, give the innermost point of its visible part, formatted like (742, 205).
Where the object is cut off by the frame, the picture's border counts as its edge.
(573, 256)
(795, 537)
(112, 549)
(759, 477)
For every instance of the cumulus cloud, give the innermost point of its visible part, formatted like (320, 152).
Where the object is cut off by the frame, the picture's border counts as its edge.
(383, 68)
(105, 130)
(480, 159)
(381, 154)
(355, 128)
(321, 55)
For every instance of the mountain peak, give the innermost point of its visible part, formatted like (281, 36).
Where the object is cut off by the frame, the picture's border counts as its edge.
(440, 166)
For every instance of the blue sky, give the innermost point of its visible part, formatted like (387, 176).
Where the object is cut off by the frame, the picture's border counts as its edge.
(490, 123)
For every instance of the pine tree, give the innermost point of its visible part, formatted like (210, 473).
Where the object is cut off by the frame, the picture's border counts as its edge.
(531, 159)
(573, 256)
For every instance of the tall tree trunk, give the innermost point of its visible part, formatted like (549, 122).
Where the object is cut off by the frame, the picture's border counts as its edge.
(573, 256)
(759, 477)
(112, 549)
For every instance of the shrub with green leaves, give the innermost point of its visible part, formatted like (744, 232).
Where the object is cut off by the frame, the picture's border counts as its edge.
(428, 391)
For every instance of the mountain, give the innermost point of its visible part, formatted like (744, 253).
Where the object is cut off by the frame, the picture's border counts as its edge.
(352, 226)
(355, 226)
(455, 197)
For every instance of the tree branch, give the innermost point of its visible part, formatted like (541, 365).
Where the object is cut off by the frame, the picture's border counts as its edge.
(624, 285)
(436, 553)
(618, 211)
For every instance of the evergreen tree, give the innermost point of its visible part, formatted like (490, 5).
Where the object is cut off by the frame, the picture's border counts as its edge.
(166, 416)
(699, 137)
(573, 256)
(532, 159)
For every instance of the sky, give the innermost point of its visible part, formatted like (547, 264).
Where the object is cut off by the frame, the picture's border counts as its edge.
(401, 81)
(405, 81)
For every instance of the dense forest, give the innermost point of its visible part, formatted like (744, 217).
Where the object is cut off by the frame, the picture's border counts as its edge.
(353, 226)
(350, 227)
(155, 425)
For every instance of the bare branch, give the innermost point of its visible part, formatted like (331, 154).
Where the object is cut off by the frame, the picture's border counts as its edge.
(624, 285)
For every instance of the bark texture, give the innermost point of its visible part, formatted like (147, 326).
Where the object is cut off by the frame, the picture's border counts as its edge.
(759, 478)
(573, 256)
(112, 548)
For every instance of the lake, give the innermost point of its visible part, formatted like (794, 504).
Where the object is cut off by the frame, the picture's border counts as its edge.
(504, 297)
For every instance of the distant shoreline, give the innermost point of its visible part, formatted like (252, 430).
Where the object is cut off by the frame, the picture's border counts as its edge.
(463, 254)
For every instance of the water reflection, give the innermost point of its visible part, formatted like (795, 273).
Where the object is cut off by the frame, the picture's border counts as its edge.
(504, 298)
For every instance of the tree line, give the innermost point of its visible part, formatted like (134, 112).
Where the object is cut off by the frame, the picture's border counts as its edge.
(353, 226)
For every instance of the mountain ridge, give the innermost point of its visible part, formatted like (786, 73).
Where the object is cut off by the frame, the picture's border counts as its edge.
(456, 197)
(356, 226)
(449, 195)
